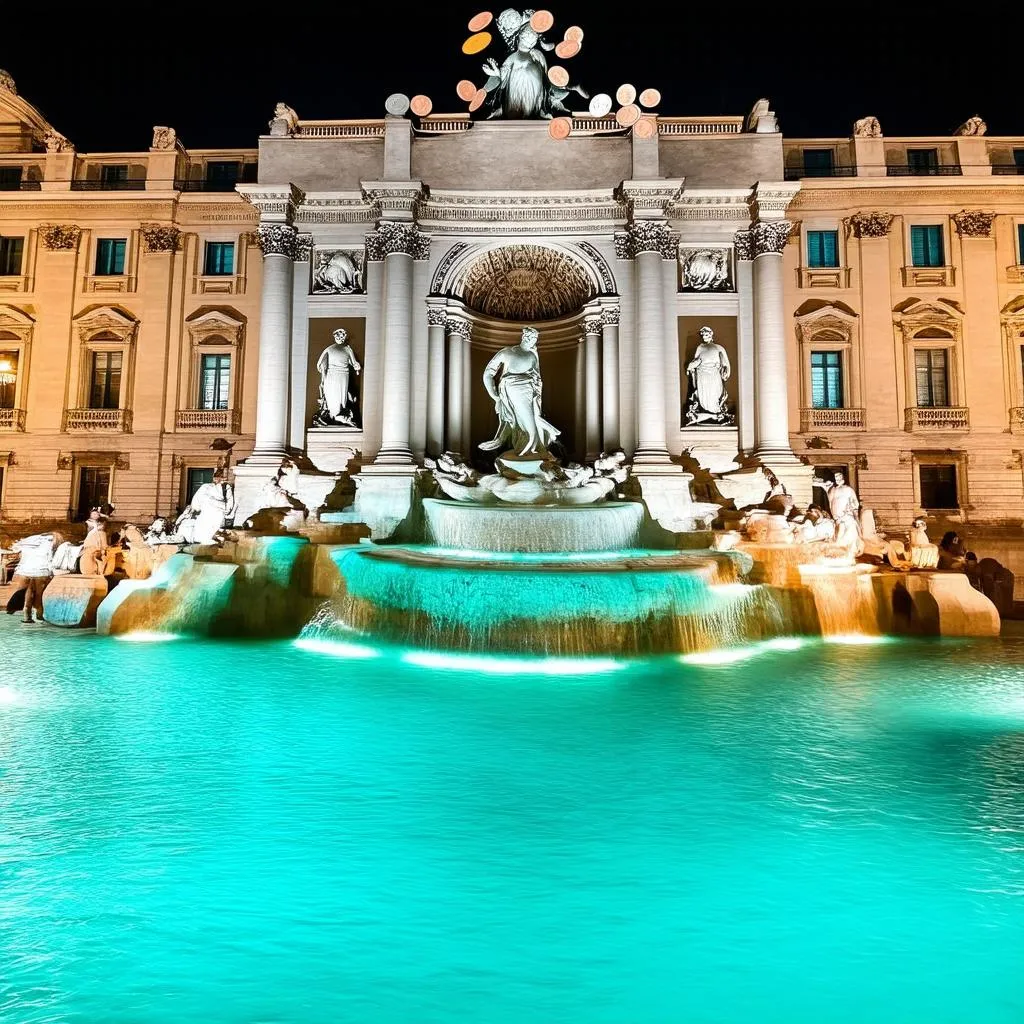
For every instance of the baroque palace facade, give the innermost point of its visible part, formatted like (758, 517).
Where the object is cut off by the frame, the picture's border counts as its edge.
(164, 311)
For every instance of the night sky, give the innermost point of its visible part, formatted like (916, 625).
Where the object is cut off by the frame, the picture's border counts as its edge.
(215, 74)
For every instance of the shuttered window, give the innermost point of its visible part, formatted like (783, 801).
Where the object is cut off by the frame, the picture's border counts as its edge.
(215, 381)
(823, 248)
(105, 384)
(220, 258)
(10, 256)
(827, 380)
(931, 371)
(110, 255)
(926, 245)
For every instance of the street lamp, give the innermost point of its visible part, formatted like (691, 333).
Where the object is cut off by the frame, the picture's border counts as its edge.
(8, 373)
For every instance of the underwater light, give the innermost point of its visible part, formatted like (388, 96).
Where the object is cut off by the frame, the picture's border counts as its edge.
(336, 648)
(731, 655)
(147, 636)
(860, 639)
(497, 665)
(9, 697)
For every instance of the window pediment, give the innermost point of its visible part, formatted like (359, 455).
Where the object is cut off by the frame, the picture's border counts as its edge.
(829, 324)
(222, 327)
(106, 325)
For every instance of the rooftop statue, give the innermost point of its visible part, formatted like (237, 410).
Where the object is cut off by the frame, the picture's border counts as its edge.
(520, 87)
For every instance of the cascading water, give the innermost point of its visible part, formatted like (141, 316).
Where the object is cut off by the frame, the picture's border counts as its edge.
(619, 602)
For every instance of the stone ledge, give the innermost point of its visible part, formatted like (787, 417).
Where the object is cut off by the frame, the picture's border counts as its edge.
(73, 600)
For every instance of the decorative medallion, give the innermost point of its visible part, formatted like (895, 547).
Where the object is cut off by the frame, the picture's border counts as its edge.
(705, 270)
(338, 272)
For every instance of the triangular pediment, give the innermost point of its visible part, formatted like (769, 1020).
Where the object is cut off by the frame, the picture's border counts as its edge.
(11, 316)
(23, 128)
(212, 319)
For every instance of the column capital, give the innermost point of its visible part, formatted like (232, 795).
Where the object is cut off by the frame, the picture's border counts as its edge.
(973, 223)
(592, 323)
(647, 236)
(397, 237)
(276, 203)
(743, 242)
(160, 237)
(303, 247)
(770, 199)
(436, 316)
(277, 240)
(58, 237)
(768, 238)
(458, 325)
(610, 315)
(870, 225)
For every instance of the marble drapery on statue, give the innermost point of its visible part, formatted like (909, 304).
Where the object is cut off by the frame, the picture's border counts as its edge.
(512, 379)
(211, 509)
(708, 371)
(845, 507)
(336, 365)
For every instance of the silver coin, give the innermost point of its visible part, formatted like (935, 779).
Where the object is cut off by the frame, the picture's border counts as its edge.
(601, 105)
(397, 104)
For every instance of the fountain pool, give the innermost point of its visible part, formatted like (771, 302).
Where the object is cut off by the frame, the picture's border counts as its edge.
(314, 831)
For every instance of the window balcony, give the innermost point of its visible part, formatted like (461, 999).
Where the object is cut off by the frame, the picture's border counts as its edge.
(223, 421)
(122, 185)
(936, 418)
(803, 171)
(831, 419)
(928, 277)
(922, 170)
(12, 419)
(113, 420)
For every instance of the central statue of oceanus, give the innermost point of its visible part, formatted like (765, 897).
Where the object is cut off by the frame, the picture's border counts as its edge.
(512, 379)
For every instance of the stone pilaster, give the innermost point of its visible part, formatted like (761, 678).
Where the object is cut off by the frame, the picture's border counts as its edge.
(458, 329)
(610, 378)
(592, 325)
(435, 378)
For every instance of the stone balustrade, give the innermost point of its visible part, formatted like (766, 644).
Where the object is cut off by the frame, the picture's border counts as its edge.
(12, 419)
(831, 419)
(936, 418)
(98, 419)
(226, 421)
(1017, 420)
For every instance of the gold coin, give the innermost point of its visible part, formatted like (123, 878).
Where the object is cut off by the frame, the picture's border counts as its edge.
(650, 98)
(542, 21)
(645, 128)
(559, 76)
(480, 21)
(625, 94)
(574, 34)
(477, 101)
(559, 127)
(466, 90)
(566, 49)
(476, 43)
(421, 105)
(628, 114)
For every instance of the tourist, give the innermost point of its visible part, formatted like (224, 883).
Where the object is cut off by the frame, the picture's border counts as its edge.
(92, 560)
(815, 527)
(778, 499)
(34, 571)
(951, 552)
(923, 553)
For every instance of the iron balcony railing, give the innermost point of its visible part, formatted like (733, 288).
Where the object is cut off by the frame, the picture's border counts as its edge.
(803, 171)
(1008, 168)
(202, 185)
(123, 185)
(19, 186)
(913, 170)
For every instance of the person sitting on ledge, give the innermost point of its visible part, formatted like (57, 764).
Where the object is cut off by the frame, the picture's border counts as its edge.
(923, 553)
(815, 527)
(951, 552)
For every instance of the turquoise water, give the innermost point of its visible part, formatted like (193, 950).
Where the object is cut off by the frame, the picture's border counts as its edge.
(209, 831)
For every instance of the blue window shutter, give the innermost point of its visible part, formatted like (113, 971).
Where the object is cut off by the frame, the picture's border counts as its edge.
(817, 381)
(830, 244)
(917, 245)
(935, 254)
(119, 247)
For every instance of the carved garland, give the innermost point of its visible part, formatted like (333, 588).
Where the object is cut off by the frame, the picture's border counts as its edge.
(870, 225)
(60, 237)
(277, 240)
(974, 223)
(394, 237)
(160, 237)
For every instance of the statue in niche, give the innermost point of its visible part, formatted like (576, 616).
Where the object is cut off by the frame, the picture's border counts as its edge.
(708, 371)
(337, 272)
(512, 379)
(520, 88)
(336, 365)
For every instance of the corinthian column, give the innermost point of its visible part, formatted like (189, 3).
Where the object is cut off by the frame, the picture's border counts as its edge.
(435, 379)
(397, 244)
(610, 378)
(592, 385)
(648, 243)
(767, 239)
(279, 245)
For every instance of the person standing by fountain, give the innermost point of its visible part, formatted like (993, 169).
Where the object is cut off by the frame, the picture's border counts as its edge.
(34, 571)
(512, 379)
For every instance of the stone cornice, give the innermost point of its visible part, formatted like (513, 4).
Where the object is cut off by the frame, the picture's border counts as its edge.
(395, 200)
(650, 199)
(276, 203)
(336, 208)
(770, 199)
(510, 212)
(712, 204)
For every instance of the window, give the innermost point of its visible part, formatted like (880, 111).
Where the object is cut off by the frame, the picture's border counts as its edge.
(195, 479)
(93, 489)
(8, 377)
(214, 382)
(922, 161)
(827, 380)
(223, 174)
(938, 486)
(1020, 241)
(110, 255)
(823, 248)
(220, 258)
(926, 245)
(931, 373)
(1018, 159)
(10, 178)
(105, 381)
(114, 174)
(10, 255)
(818, 163)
